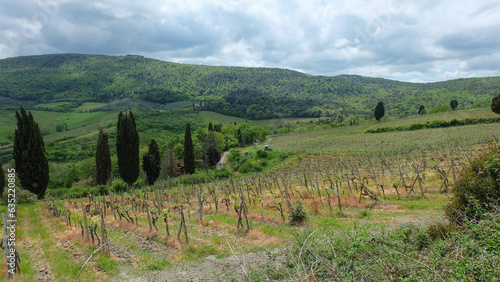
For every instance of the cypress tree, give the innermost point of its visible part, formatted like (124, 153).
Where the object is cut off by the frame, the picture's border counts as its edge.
(151, 163)
(210, 127)
(127, 147)
(495, 104)
(189, 164)
(421, 109)
(453, 104)
(102, 158)
(29, 155)
(240, 138)
(379, 111)
(211, 151)
(2, 178)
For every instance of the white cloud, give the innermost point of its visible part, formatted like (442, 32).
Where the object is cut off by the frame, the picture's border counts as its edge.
(404, 40)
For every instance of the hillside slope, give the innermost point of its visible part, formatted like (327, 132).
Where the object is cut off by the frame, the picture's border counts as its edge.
(255, 93)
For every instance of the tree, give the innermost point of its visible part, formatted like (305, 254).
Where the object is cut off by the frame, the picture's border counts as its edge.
(379, 111)
(211, 151)
(151, 163)
(210, 127)
(421, 110)
(31, 163)
(453, 104)
(127, 147)
(189, 164)
(102, 158)
(240, 138)
(2, 178)
(170, 163)
(495, 104)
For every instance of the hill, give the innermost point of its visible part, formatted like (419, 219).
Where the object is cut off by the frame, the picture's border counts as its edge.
(254, 93)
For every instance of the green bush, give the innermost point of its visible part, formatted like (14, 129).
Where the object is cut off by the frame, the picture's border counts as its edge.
(477, 190)
(22, 196)
(118, 186)
(262, 154)
(297, 214)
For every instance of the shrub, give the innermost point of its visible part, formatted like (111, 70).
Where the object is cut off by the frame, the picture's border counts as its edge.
(477, 189)
(119, 186)
(262, 154)
(297, 214)
(22, 196)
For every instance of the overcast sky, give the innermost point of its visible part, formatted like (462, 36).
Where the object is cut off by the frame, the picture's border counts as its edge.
(402, 40)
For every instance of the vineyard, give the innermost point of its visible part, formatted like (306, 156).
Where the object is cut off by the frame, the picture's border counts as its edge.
(132, 233)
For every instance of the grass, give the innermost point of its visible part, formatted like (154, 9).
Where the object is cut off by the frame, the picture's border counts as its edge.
(352, 142)
(51, 105)
(214, 117)
(88, 106)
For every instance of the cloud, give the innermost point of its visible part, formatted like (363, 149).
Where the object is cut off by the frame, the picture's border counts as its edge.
(403, 40)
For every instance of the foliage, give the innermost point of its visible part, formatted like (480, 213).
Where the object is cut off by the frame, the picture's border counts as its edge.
(170, 163)
(22, 196)
(257, 93)
(435, 124)
(297, 214)
(405, 253)
(495, 104)
(31, 166)
(262, 154)
(127, 147)
(102, 158)
(189, 164)
(453, 104)
(421, 110)
(212, 153)
(151, 162)
(379, 111)
(119, 186)
(477, 189)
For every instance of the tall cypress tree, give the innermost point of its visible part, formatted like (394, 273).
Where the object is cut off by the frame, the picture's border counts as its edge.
(151, 163)
(379, 111)
(102, 158)
(189, 164)
(240, 138)
(127, 147)
(29, 155)
(211, 151)
(2, 178)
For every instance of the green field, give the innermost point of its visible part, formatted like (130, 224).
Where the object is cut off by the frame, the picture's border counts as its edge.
(351, 140)
(51, 105)
(88, 106)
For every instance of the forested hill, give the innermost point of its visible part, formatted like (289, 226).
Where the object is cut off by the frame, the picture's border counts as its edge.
(254, 93)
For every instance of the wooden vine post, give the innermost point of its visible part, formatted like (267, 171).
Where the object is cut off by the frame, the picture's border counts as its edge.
(182, 225)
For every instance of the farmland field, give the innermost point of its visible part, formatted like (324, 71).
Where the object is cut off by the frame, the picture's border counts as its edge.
(241, 227)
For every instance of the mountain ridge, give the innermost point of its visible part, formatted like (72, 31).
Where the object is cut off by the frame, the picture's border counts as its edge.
(248, 92)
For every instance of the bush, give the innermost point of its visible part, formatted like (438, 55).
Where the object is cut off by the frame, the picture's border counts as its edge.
(477, 190)
(297, 214)
(262, 154)
(22, 196)
(119, 186)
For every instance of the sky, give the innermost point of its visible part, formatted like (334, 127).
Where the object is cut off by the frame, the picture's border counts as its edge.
(416, 41)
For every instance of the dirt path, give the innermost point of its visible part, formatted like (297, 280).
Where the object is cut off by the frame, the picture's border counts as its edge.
(232, 268)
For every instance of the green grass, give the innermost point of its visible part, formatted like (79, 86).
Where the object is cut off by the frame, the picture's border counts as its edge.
(51, 105)
(88, 106)
(219, 118)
